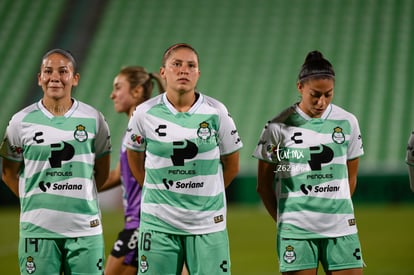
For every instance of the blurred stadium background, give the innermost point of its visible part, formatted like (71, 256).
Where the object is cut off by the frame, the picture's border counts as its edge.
(250, 55)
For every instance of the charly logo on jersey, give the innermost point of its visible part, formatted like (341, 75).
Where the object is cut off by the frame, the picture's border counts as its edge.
(30, 265)
(289, 256)
(357, 254)
(161, 130)
(296, 138)
(224, 266)
(37, 137)
(80, 133)
(338, 136)
(99, 264)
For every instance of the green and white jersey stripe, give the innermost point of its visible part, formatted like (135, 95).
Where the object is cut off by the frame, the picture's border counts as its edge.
(57, 192)
(312, 185)
(184, 189)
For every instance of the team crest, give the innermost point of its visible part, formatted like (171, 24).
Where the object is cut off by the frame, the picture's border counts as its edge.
(30, 265)
(338, 136)
(204, 132)
(80, 134)
(289, 256)
(143, 264)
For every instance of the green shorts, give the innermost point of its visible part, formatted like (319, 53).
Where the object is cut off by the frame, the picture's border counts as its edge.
(165, 254)
(333, 253)
(75, 256)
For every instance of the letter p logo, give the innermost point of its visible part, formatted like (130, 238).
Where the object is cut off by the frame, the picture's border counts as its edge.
(60, 153)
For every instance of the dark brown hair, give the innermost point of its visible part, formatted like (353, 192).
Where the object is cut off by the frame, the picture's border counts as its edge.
(174, 47)
(66, 54)
(315, 66)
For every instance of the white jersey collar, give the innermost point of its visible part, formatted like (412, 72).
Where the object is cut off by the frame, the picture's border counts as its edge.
(50, 115)
(307, 117)
(190, 111)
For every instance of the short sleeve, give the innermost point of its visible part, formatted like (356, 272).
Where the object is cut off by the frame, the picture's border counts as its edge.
(229, 138)
(268, 144)
(135, 136)
(103, 137)
(355, 148)
(12, 147)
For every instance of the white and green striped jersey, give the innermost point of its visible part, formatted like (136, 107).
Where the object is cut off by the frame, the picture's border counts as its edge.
(311, 157)
(58, 196)
(183, 190)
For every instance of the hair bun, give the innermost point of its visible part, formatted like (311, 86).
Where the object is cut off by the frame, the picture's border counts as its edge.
(314, 56)
(316, 66)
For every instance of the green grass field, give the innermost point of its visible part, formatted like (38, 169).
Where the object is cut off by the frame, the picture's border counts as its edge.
(386, 233)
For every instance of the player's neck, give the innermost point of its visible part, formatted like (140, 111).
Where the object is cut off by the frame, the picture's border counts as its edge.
(182, 102)
(57, 108)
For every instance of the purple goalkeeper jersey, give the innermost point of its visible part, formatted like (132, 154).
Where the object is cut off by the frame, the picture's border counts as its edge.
(131, 193)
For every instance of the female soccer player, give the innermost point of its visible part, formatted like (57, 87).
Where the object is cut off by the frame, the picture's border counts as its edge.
(56, 153)
(307, 169)
(183, 147)
(132, 86)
